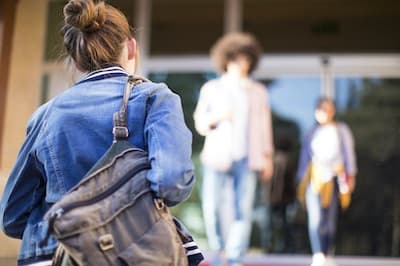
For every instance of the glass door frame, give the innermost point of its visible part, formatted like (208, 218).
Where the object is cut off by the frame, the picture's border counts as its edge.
(327, 67)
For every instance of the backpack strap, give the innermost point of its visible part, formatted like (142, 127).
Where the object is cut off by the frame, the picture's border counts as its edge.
(120, 128)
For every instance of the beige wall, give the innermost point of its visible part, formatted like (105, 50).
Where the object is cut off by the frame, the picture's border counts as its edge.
(23, 89)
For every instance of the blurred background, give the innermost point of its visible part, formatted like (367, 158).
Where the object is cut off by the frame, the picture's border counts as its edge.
(347, 49)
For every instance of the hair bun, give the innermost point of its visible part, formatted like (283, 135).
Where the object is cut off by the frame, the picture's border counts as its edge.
(85, 15)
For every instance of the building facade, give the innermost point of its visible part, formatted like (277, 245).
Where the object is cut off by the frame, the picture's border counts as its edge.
(339, 48)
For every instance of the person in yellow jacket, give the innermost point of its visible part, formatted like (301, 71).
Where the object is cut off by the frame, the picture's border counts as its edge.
(326, 174)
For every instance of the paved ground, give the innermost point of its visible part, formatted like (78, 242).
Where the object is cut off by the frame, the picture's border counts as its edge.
(304, 260)
(287, 260)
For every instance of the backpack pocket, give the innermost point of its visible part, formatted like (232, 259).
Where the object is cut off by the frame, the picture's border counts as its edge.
(146, 251)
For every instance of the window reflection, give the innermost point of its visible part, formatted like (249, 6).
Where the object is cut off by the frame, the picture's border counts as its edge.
(371, 107)
(294, 99)
(279, 224)
(188, 87)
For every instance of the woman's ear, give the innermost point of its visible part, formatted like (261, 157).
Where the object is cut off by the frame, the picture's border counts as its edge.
(131, 48)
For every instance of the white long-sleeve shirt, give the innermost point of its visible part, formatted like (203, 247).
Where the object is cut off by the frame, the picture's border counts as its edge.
(245, 103)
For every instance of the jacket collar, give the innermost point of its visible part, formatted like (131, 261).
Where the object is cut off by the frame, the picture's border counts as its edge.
(107, 72)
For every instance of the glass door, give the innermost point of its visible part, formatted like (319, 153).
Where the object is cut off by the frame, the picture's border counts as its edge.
(366, 90)
(371, 107)
(279, 223)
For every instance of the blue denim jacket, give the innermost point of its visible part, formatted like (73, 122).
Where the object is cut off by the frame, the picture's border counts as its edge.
(67, 135)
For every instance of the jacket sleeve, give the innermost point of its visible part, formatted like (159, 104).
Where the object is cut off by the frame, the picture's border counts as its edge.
(305, 157)
(24, 188)
(268, 123)
(169, 144)
(349, 150)
(201, 116)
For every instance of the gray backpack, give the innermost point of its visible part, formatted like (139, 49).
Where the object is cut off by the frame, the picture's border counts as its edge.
(111, 217)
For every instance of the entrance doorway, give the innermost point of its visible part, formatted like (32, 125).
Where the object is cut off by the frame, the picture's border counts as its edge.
(367, 93)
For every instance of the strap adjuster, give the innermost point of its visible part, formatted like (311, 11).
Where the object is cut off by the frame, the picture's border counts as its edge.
(159, 203)
(120, 132)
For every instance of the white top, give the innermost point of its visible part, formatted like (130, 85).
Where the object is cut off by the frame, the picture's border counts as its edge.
(226, 96)
(237, 95)
(244, 104)
(326, 152)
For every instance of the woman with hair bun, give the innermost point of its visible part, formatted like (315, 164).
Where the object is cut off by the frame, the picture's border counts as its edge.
(67, 135)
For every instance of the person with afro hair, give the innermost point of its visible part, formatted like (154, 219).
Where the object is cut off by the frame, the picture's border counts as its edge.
(233, 114)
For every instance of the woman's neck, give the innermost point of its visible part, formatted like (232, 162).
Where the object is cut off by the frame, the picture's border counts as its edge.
(328, 123)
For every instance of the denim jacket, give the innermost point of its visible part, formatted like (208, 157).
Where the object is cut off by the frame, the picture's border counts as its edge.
(67, 135)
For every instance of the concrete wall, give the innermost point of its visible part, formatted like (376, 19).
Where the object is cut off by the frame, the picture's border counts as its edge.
(23, 90)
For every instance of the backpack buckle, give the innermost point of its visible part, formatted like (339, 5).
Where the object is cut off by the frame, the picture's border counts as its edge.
(106, 242)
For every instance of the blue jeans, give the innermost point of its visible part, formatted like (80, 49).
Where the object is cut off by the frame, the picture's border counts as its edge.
(321, 221)
(242, 197)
